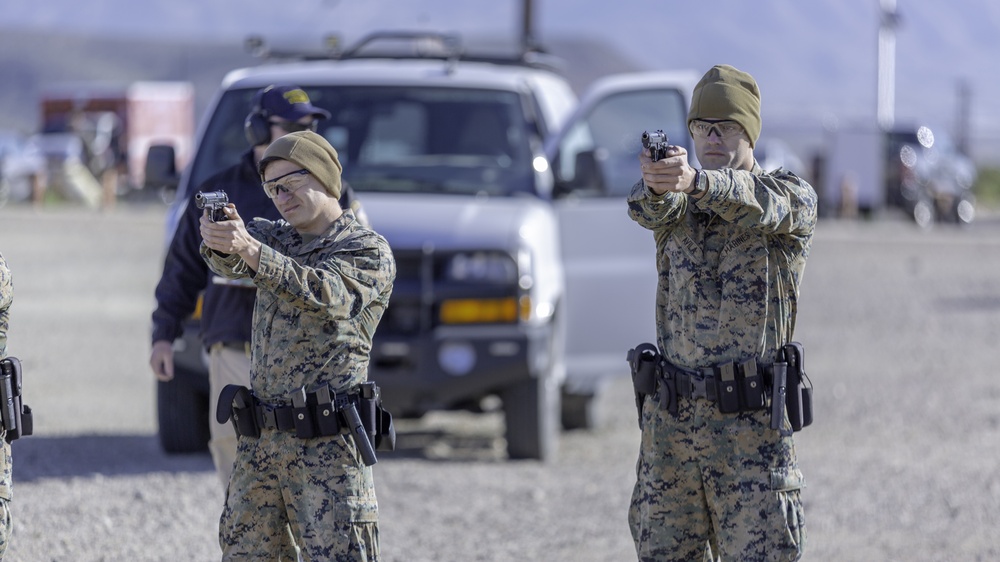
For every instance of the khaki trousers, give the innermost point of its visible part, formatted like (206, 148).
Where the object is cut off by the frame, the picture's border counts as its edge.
(226, 365)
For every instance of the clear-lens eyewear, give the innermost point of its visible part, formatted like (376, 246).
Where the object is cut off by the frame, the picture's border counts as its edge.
(272, 188)
(723, 129)
(294, 126)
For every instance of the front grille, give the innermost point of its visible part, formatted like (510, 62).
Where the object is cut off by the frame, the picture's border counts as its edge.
(419, 288)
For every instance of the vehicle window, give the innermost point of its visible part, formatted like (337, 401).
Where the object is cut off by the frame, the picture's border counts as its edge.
(224, 141)
(436, 140)
(598, 155)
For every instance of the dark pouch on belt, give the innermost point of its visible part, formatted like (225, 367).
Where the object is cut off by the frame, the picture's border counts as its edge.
(727, 391)
(236, 405)
(752, 384)
(326, 412)
(301, 416)
(385, 438)
(799, 398)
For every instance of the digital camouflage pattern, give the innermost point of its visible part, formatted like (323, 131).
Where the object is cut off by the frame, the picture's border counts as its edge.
(6, 478)
(729, 271)
(318, 304)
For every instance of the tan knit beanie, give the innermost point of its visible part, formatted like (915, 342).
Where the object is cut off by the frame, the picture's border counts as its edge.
(311, 151)
(727, 93)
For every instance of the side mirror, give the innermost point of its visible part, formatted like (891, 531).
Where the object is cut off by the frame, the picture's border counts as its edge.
(161, 168)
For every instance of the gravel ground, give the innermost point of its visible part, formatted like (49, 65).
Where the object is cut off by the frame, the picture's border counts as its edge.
(903, 461)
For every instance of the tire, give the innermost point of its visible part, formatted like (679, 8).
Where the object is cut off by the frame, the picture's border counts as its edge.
(581, 411)
(182, 413)
(531, 412)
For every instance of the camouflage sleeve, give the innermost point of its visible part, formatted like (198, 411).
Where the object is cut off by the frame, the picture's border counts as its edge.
(777, 203)
(341, 285)
(229, 266)
(6, 288)
(653, 211)
(6, 298)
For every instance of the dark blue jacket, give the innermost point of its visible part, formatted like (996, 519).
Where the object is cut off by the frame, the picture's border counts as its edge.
(227, 310)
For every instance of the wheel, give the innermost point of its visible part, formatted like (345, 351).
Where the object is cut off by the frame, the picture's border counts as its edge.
(581, 411)
(531, 413)
(182, 413)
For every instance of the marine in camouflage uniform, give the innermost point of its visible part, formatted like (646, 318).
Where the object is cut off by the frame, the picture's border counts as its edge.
(6, 480)
(323, 281)
(227, 309)
(731, 242)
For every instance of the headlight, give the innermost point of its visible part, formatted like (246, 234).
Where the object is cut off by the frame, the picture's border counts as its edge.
(481, 267)
(509, 275)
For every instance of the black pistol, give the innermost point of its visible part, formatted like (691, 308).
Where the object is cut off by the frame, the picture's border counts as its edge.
(214, 201)
(657, 144)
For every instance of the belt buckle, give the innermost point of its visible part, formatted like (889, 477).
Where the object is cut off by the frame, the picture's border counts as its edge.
(703, 384)
(268, 416)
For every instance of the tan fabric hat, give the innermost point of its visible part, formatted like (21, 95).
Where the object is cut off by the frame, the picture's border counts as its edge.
(727, 93)
(311, 151)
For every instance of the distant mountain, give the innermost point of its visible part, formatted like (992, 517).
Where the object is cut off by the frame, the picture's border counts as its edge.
(31, 63)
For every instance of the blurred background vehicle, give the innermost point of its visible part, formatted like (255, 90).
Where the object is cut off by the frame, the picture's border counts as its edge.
(22, 167)
(928, 176)
(773, 153)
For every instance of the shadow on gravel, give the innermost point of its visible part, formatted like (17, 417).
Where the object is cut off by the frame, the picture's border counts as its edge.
(445, 446)
(969, 303)
(37, 457)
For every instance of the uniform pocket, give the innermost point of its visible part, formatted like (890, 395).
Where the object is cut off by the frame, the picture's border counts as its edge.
(788, 482)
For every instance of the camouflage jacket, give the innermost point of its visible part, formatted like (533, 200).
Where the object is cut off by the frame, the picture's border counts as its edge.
(6, 296)
(318, 304)
(729, 264)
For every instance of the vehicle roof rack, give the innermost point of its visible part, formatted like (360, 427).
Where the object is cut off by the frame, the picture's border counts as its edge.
(409, 45)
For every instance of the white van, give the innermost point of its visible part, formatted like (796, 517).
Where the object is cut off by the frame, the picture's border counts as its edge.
(519, 274)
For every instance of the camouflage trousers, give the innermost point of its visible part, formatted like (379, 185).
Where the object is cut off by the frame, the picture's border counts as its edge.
(314, 493)
(6, 526)
(708, 479)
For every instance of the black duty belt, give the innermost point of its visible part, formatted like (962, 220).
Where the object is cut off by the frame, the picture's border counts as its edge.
(314, 414)
(734, 387)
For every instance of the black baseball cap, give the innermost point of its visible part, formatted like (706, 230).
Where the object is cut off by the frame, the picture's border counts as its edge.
(287, 102)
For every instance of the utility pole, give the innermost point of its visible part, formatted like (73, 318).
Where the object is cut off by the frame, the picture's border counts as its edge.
(964, 110)
(528, 41)
(886, 110)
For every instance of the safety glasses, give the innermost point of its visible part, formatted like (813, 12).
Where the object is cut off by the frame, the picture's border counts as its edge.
(272, 188)
(723, 129)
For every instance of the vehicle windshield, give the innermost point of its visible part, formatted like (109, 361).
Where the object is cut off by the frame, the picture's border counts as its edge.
(401, 139)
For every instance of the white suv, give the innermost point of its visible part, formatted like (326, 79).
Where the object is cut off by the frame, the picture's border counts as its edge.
(519, 274)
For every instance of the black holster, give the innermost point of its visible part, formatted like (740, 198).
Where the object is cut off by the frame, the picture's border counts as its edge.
(644, 362)
(236, 404)
(15, 415)
(798, 399)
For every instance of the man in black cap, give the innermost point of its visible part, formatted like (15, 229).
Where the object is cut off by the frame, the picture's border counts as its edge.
(227, 307)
